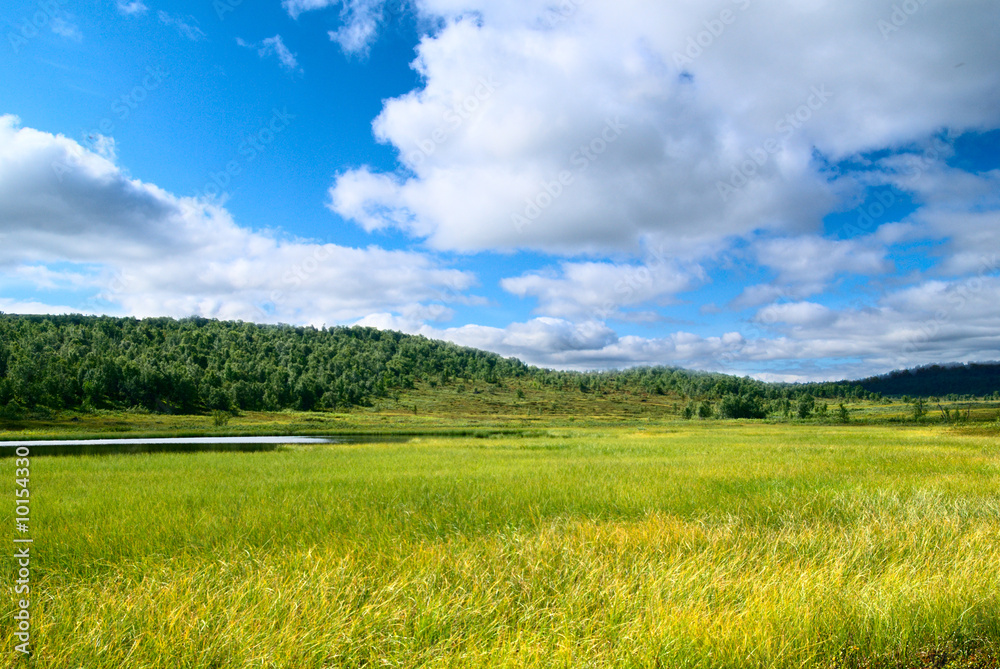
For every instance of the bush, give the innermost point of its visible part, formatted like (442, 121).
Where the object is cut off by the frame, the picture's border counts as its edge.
(12, 411)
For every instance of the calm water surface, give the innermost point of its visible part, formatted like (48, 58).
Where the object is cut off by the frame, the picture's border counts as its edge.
(179, 444)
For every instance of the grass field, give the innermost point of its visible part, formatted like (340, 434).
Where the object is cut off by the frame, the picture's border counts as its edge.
(686, 544)
(460, 408)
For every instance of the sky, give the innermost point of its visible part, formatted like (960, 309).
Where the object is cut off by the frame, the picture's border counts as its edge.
(791, 190)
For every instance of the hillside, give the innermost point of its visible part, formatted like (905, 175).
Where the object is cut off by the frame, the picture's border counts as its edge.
(195, 365)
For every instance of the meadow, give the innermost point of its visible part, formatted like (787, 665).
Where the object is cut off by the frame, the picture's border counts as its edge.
(667, 544)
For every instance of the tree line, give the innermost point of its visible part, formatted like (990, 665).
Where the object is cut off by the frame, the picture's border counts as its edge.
(953, 381)
(195, 364)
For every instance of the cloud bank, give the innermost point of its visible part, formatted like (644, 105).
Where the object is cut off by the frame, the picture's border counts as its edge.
(71, 218)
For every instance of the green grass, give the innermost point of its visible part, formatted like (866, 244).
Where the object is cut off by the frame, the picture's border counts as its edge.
(458, 408)
(682, 545)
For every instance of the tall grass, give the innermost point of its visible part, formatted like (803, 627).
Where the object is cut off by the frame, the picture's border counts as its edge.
(704, 545)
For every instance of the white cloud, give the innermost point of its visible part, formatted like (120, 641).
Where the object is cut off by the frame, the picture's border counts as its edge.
(961, 210)
(554, 342)
(297, 7)
(104, 146)
(933, 322)
(42, 277)
(184, 26)
(64, 27)
(797, 314)
(548, 341)
(688, 125)
(149, 252)
(8, 306)
(70, 219)
(812, 259)
(599, 290)
(806, 264)
(275, 46)
(360, 20)
(131, 8)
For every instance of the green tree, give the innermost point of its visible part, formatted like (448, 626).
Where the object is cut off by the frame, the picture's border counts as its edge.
(737, 406)
(805, 406)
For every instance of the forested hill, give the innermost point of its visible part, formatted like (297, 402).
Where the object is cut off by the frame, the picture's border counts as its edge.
(972, 379)
(197, 364)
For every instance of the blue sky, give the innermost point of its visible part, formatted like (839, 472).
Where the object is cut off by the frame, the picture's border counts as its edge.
(790, 190)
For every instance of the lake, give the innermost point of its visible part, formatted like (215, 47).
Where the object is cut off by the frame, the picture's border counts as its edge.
(178, 444)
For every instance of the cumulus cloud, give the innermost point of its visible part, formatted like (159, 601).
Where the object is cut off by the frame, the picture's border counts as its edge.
(797, 314)
(805, 265)
(709, 140)
(71, 219)
(600, 290)
(586, 129)
(593, 132)
(960, 210)
(929, 323)
(9, 306)
(145, 251)
(556, 342)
